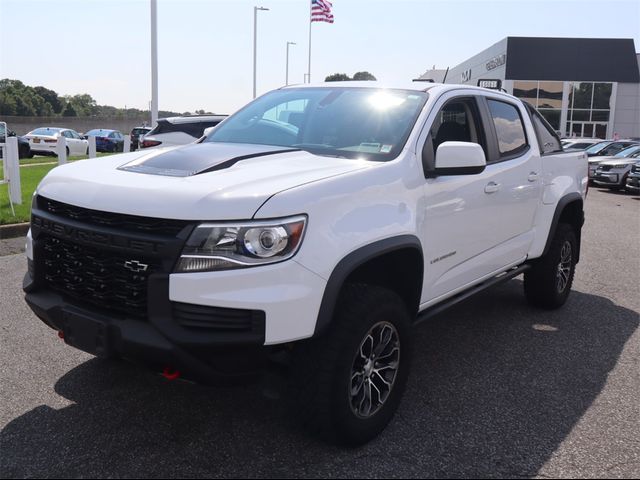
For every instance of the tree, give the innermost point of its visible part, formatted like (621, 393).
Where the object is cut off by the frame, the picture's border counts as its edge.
(50, 97)
(364, 76)
(69, 111)
(337, 77)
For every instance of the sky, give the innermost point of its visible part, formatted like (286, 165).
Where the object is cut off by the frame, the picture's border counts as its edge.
(205, 47)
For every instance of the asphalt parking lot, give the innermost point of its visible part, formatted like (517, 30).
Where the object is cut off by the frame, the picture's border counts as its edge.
(498, 389)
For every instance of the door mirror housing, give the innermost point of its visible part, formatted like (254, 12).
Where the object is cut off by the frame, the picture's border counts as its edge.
(460, 158)
(208, 130)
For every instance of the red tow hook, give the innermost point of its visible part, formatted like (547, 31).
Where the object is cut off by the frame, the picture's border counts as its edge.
(61, 334)
(170, 374)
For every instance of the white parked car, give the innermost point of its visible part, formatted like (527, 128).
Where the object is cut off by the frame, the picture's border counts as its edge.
(179, 130)
(43, 141)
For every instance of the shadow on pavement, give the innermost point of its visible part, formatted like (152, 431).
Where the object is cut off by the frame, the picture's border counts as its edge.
(496, 387)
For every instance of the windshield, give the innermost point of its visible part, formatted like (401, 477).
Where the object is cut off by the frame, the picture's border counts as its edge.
(597, 147)
(345, 122)
(627, 152)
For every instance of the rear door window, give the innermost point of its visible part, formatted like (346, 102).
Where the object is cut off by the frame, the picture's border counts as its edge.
(512, 140)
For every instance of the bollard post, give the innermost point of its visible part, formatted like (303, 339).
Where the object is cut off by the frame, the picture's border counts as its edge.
(12, 170)
(61, 150)
(127, 144)
(92, 146)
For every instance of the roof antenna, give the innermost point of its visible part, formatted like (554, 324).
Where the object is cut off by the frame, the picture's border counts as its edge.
(445, 75)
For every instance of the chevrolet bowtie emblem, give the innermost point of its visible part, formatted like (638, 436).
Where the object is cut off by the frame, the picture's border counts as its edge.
(135, 266)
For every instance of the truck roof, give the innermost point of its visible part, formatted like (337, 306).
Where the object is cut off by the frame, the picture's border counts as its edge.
(417, 86)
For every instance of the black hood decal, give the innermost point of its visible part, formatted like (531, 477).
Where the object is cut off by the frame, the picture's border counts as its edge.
(199, 158)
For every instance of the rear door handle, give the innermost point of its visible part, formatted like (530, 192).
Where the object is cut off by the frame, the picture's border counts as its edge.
(492, 187)
(533, 177)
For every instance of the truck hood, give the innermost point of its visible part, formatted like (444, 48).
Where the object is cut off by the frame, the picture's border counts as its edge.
(209, 181)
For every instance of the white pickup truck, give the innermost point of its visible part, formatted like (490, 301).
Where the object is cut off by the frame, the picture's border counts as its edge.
(316, 226)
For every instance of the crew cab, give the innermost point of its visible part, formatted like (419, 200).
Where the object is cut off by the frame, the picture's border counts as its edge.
(313, 230)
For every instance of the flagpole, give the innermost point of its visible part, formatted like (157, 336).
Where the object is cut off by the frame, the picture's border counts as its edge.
(309, 66)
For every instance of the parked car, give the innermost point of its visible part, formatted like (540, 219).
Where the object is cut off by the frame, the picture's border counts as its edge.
(613, 172)
(597, 160)
(136, 134)
(24, 150)
(608, 148)
(576, 144)
(43, 141)
(107, 140)
(180, 130)
(633, 180)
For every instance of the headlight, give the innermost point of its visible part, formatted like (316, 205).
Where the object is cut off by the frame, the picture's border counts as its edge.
(620, 166)
(228, 245)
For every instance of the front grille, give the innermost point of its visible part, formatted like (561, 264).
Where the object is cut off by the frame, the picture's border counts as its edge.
(131, 223)
(229, 320)
(96, 276)
(635, 168)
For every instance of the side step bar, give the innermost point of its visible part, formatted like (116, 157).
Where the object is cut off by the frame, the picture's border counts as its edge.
(449, 302)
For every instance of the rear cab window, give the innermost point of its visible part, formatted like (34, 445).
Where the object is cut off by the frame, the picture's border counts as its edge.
(548, 139)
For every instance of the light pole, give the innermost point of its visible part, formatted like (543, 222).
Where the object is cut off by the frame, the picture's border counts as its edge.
(255, 44)
(154, 63)
(286, 82)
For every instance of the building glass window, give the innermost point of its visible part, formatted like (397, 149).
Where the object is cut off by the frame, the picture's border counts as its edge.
(589, 109)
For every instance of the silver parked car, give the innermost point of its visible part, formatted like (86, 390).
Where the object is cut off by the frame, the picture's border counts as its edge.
(613, 173)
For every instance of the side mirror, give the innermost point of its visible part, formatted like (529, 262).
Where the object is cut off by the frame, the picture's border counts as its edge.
(459, 158)
(12, 133)
(208, 130)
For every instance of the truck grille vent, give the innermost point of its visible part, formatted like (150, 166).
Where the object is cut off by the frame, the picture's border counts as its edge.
(97, 277)
(229, 320)
(131, 223)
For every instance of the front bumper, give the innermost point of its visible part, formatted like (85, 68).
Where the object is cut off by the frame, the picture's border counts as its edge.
(608, 179)
(633, 183)
(207, 325)
(159, 342)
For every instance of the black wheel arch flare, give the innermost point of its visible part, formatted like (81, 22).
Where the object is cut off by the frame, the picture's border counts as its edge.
(407, 245)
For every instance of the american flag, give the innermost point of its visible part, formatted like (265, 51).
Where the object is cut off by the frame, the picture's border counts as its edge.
(321, 11)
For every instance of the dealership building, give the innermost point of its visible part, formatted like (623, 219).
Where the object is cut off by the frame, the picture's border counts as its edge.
(584, 87)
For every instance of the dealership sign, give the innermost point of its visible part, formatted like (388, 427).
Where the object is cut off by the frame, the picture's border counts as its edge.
(497, 61)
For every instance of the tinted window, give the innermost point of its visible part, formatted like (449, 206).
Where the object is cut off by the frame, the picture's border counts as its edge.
(195, 129)
(509, 128)
(547, 138)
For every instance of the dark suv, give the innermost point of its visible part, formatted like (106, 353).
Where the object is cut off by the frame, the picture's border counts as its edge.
(136, 133)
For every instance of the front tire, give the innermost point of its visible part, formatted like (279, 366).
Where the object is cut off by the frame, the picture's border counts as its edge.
(348, 383)
(548, 283)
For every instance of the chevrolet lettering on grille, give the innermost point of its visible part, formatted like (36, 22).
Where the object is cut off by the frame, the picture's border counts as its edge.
(135, 266)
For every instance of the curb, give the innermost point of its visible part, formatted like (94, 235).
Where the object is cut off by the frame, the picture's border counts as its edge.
(14, 230)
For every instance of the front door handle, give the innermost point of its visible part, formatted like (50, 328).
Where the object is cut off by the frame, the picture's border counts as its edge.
(533, 177)
(492, 187)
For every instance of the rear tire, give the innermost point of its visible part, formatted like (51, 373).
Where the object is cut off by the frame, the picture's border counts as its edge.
(548, 283)
(346, 385)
